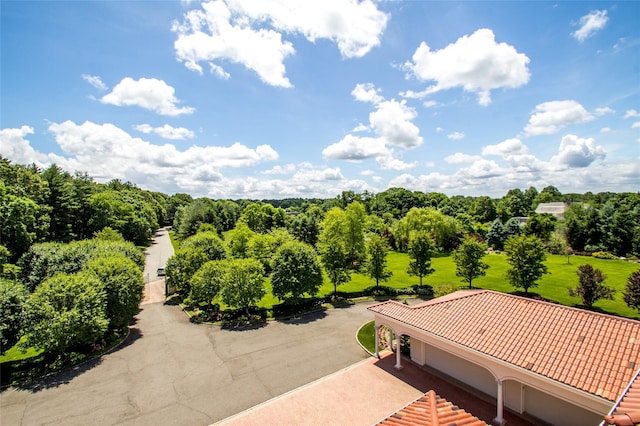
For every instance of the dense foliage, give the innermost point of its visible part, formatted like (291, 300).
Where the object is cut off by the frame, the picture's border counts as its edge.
(55, 226)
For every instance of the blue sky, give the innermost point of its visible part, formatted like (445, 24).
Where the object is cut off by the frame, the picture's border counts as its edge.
(282, 98)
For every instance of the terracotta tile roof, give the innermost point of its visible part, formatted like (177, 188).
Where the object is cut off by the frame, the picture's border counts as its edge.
(593, 352)
(432, 410)
(628, 408)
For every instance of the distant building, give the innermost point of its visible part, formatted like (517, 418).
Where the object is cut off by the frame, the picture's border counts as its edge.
(559, 364)
(556, 209)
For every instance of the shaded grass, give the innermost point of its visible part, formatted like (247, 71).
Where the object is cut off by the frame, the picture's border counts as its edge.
(366, 337)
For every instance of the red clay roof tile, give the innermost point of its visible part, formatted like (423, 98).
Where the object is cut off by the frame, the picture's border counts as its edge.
(431, 410)
(583, 349)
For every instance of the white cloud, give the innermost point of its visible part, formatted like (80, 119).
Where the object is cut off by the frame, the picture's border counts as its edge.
(392, 122)
(474, 62)
(166, 131)
(355, 148)
(15, 147)
(251, 33)
(392, 125)
(590, 24)
(635, 125)
(355, 26)
(281, 170)
(95, 81)
(508, 147)
(632, 113)
(606, 130)
(312, 175)
(550, 117)
(603, 111)
(459, 158)
(219, 71)
(106, 152)
(149, 93)
(578, 152)
(366, 92)
(389, 162)
(455, 136)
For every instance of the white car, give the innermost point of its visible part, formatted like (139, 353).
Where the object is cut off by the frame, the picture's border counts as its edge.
(160, 271)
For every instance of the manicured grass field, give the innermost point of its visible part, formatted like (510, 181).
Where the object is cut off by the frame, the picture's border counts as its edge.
(553, 286)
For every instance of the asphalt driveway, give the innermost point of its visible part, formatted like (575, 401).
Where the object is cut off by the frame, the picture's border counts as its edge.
(170, 371)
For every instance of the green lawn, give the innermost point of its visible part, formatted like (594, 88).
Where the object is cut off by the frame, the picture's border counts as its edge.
(553, 286)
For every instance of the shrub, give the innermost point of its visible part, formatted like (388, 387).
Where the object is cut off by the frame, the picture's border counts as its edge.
(603, 255)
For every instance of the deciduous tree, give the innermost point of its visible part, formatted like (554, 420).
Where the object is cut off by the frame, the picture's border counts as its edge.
(632, 290)
(377, 249)
(123, 287)
(591, 287)
(420, 252)
(207, 281)
(526, 256)
(65, 311)
(296, 271)
(243, 283)
(12, 296)
(468, 260)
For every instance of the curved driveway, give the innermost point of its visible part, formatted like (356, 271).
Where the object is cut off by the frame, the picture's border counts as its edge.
(172, 372)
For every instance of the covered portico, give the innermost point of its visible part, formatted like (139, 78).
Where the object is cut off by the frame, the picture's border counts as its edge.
(467, 351)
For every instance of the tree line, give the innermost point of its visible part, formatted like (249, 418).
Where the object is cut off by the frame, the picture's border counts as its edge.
(54, 225)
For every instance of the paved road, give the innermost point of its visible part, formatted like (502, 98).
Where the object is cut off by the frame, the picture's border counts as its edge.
(170, 371)
(157, 254)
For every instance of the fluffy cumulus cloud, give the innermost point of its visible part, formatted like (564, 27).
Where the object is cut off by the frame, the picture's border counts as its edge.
(106, 152)
(476, 63)
(391, 125)
(578, 152)
(251, 33)
(590, 24)
(166, 131)
(15, 146)
(549, 117)
(631, 113)
(149, 93)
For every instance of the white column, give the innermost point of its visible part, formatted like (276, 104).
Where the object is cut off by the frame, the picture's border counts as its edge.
(398, 366)
(499, 420)
(375, 332)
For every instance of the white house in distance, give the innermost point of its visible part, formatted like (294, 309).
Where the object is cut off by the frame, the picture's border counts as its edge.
(556, 209)
(562, 365)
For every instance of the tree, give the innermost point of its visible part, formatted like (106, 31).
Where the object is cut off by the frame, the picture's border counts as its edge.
(496, 235)
(444, 229)
(332, 250)
(12, 297)
(483, 209)
(468, 260)
(243, 283)
(511, 228)
(296, 271)
(207, 281)
(123, 287)
(632, 291)
(377, 249)
(525, 255)
(355, 219)
(238, 240)
(182, 266)
(420, 252)
(108, 234)
(540, 225)
(591, 287)
(209, 242)
(65, 312)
